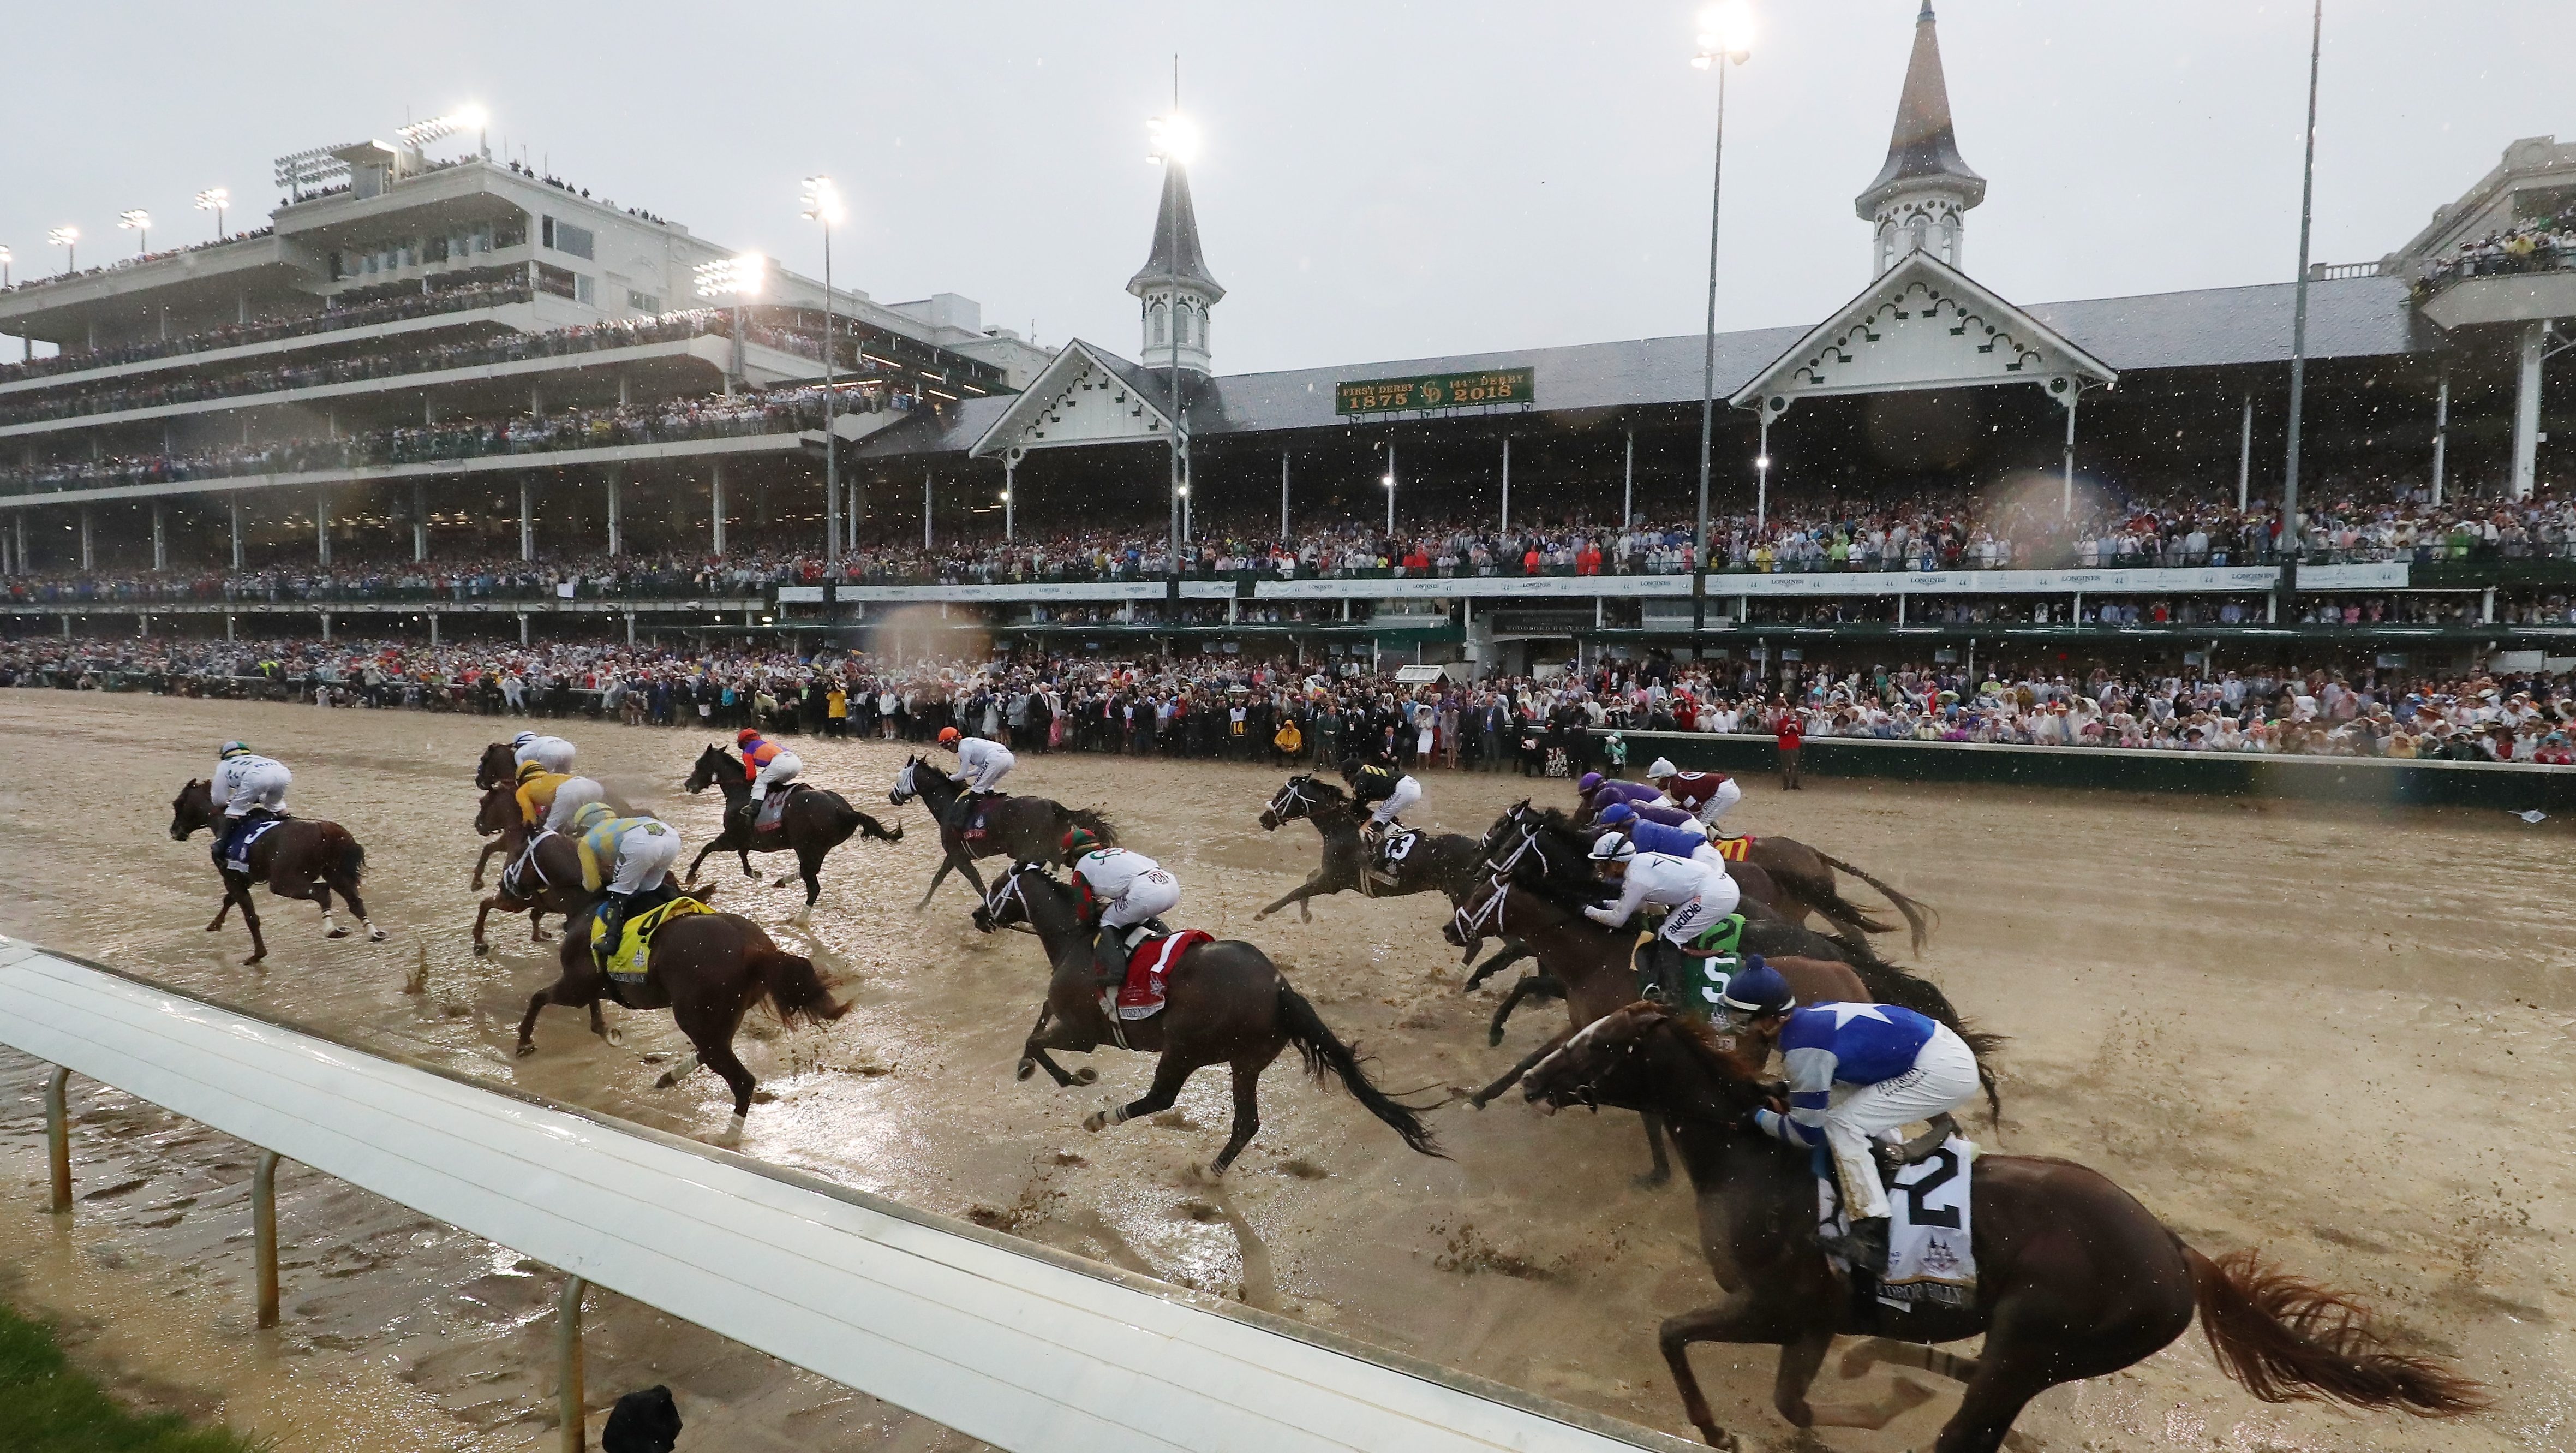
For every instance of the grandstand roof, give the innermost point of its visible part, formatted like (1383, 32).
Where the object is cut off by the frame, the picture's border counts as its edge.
(2365, 317)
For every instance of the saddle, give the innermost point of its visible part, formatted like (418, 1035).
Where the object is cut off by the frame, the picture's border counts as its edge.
(232, 852)
(1931, 1251)
(773, 808)
(972, 829)
(1391, 853)
(630, 962)
(1692, 985)
(1149, 960)
(1733, 849)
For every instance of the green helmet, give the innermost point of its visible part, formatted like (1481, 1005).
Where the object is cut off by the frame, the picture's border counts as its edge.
(1079, 841)
(232, 749)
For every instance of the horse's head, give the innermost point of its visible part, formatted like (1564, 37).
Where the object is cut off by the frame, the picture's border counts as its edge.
(192, 809)
(903, 790)
(498, 810)
(1288, 804)
(1007, 902)
(1631, 1058)
(500, 763)
(710, 762)
(1479, 913)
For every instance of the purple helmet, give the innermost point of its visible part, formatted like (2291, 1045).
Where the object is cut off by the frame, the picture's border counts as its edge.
(1587, 782)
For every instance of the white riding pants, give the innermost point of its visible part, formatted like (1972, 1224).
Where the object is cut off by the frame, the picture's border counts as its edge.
(1701, 913)
(644, 858)
(781, 768)
(1150, 894)
(1944, 1078)
(259, 787)
(570, 798)
(1727, 795)
(554, 752)
(1407, 792)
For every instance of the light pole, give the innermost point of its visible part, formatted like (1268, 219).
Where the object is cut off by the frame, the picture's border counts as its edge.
(68, 239)
(138, 222)
(1389, 481)
(2299, 312)
(1171, 140)
(1725, 38)
(823, 204)
(215, 200)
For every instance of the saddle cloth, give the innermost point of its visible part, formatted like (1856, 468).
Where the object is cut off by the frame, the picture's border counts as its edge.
(237, 852)
(774, 806)
(1391, 852)
(1733, 849)
(1931, 1252)
(1703, 980)
(630, 963)
(974, 828)
(1141, 997)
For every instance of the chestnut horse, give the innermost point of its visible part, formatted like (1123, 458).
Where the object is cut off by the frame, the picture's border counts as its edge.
(2075, 1279)
(301, 857)
(557, 864)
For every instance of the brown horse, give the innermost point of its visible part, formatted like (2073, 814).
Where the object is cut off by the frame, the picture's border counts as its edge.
(1439, 862)
(2075, 1279)
(298, 858)
(499, 764)
(707, 969)
(1804, 875)
(557, 865)
(1021, 827)
(810, 825)
(1226, 1003)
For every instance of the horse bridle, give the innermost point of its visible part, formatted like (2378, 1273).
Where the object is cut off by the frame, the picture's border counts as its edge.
(1471, 926)
(1006, 888)
(1294, 792)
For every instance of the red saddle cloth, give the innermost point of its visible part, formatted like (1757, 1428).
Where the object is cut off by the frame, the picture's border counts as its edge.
(974, 828)
(1142, 995)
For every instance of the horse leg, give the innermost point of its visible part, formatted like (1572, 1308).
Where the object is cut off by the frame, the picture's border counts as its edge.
(1510, 953)
(742, 850)
(568, 991)
(1512, 1076)
(1247, 1111)
(536, 926)
(1742, 1317)
(481, 912)
(1298, 895)
(1802, 1357)
(1536, 984)
(321, 893)
(717, 1054)
(1661, 1173)
(358, 906)
(945, 864)
(809, 866)
(1169, 1075)
(250, 920)
(2005, 1383)
(1034, 1057)
(480, 859)
(224, 909)
(702, 857)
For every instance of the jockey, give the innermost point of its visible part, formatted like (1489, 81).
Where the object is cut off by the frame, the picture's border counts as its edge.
(622, 858)
(547, 802)
(1856, 1073)
(528, 747)
(766, 763)
(1704, 795)
(985, 764)
(1700, 895)
(1586, 785)
(1391, 791)
(1687, 841)
(245, 789)
(1126, 889)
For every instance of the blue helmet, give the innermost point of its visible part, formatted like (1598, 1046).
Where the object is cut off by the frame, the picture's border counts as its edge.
(1618, 812)
(1757, 990)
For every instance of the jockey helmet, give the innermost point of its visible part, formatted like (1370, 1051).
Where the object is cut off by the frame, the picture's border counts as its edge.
(746, 736)
(531, 769)
(1757, 991)
(232, 749)
(948, 736)
(1078, 841)
(1662, 768)
(1613, 847)
(590, 815)
(522, 739)
(1585, 783)
(1350, 766)
(1617, 813)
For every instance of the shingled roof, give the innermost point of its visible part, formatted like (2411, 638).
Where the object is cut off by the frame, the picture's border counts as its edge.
(1922, 145)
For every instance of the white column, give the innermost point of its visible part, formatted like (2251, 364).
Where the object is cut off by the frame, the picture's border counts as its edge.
(527, 523)
(1762, 475)
(2245, 454)
(433, 631)
(1010, 497)
(716, 495)
(231, 500)
(1283, 497)
(925, 510)
(322, 525)
(1390, 487)
(84, 534)
(1507, 483)
(419, 520)
(2067, 505)
(160, 540)
(616, 509)
(1628, 484)
(2526, 407)
(2441, 431)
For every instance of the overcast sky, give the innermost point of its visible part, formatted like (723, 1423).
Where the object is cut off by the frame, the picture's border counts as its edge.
(1378, 181)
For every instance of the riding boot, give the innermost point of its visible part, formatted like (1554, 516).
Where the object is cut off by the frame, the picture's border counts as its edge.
(1656, 960)
(1869, 1245)
(611, 917)
(1109, 958)
(961, 811)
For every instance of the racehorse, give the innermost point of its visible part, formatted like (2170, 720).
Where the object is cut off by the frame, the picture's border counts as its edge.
(1806, 881)
(1022, 827)
(557, 865)
(1441, 862)
(301, 857)
(2075, 1279)
(812, 823)
(706, 968)
(1225, 1003)
(499, 764)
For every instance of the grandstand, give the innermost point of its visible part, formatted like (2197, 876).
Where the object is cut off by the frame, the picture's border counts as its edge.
(470, 369)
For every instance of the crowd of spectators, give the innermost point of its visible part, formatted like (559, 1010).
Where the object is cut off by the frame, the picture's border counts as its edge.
(408, 303)
(1249, 709)
(2532, 244)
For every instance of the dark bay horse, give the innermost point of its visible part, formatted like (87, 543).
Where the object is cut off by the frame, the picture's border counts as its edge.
(301, 857)
(1225, 1003)
(812, 823)
(1021, 827)
(1439, 862)
(707, 969)
(1806, 880)
(557, 864)
(2075, 1279)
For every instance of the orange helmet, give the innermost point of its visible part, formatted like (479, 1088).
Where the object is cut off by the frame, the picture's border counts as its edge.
(746, 736)
(948, 736)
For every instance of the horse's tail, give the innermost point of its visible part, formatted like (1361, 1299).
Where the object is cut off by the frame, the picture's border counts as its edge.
(1326, 1054)
(352, 860)
(1095, 822)
(794, 989)
(1817, 891)
(854, 821)
(1920, 919)
(2288, 1340)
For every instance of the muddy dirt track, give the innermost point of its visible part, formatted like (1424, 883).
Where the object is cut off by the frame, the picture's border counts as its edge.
(2339, 1035)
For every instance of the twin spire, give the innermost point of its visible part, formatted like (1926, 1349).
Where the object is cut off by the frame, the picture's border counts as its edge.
(1918, 196)
(1174, 287)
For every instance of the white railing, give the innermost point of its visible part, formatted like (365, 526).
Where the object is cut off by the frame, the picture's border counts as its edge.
(1015, 1344)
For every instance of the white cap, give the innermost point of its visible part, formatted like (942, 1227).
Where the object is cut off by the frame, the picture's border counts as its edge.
(1613, 847)
(1663, 768)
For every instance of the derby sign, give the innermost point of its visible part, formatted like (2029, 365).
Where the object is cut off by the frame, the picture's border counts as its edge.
(1508, 387)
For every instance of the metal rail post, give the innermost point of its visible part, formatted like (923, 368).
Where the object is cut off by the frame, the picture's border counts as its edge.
(263, 1230)
(568, 1400)
(58, 1139)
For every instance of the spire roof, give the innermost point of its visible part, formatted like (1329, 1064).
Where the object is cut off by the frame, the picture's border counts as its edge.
(1923, 147)
(1176, 256)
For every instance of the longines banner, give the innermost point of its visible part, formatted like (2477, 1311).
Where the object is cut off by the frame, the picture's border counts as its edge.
(1850, 582)
(1435, 392)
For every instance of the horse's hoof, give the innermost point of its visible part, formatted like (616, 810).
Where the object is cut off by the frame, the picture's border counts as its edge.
(253, 961)
(1264, 913)
(538, 936)
(482, 951)
(1086, 1076)
(1096, 1121)
(616, 1038)
(377, 935)
(337, 933)
(764, 1097)
(1493, 1039)
(1027, 1068)
(527, 1047)
(1653, 1180)
(666, 1081)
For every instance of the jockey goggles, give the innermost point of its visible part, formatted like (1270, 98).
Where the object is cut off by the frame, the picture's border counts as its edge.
(232, 749)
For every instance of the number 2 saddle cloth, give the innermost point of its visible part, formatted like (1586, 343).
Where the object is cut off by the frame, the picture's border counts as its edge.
(1931, 1256)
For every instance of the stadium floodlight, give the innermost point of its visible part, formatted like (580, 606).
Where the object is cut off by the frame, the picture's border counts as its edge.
(1171, 137)
(138, 222)
(421, 133)
(823, 202)
(733, 277)
(68, 239)
(1726, 30)
(215, 200)
(308, 170)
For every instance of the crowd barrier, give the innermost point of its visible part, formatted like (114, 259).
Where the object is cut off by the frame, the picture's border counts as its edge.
(1016, 1344)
